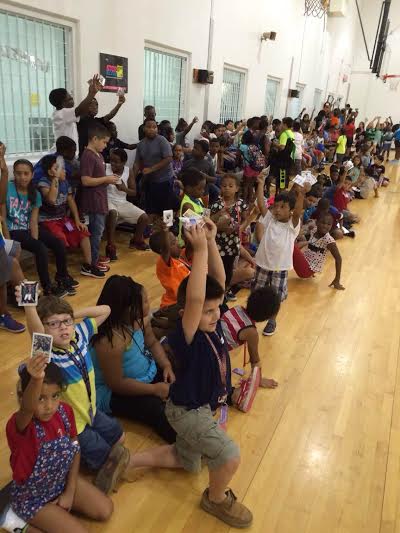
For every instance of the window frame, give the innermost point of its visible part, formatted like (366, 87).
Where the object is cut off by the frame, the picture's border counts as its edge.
(169, 50)
(72, 56)
(242, 94)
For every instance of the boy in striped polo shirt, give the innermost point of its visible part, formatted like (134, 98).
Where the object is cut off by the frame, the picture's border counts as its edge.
(239, 325)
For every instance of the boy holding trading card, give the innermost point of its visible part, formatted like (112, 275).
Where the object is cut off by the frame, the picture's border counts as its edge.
(100, 436)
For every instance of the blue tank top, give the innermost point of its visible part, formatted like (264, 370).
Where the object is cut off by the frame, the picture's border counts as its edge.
(137, 363)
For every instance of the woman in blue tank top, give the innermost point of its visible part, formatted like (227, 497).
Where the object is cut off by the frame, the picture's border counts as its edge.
(133, 372)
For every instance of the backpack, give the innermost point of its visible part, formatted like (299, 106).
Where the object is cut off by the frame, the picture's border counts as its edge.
(256, 158)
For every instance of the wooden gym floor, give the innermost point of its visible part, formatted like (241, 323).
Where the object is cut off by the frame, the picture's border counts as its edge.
(320, 454)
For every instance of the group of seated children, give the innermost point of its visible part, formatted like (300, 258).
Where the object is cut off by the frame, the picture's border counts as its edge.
(169, 369)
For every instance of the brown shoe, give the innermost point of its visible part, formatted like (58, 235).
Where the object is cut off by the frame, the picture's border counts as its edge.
(110, 473)
(229, 511)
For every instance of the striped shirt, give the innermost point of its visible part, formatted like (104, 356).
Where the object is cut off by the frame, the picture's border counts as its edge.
(76, 394)
(233, 322)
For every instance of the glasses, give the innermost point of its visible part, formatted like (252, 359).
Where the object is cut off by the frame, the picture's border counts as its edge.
(56, 324)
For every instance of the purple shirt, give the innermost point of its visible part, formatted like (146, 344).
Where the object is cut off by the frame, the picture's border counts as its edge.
(93, 199)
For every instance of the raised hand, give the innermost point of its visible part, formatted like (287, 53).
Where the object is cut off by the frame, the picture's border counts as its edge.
(37, 365)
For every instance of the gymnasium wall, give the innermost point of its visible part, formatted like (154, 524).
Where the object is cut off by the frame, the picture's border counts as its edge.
(321, 50)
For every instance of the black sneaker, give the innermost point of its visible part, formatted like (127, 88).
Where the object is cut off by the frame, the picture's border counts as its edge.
(68, 281)
(56, 290)
(269, 328)
(91, 271)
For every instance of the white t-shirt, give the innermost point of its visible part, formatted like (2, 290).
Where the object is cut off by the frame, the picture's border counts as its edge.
(298, 142)
(276, 247)
(64, 124)
(115, 196)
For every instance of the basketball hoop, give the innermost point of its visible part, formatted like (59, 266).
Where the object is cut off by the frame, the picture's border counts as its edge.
(393, 80)
(315, 8)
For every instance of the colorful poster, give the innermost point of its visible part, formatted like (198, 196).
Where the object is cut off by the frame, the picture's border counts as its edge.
(115, 71)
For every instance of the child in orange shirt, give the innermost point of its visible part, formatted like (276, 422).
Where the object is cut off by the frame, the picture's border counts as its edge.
(169, 269)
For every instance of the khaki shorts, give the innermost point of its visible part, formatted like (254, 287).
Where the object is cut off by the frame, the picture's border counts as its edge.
(199, 437)
(126, 211)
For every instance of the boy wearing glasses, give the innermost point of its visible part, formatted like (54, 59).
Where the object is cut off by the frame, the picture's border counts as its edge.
(100, 436)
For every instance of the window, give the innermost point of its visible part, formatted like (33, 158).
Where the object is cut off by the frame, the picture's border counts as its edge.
(271, 96)
(317, 101)
(34, 59)
(296, 104)
(232, 95)
(165, 84)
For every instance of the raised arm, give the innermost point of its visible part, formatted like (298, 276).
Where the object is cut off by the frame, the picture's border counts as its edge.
(94, 88)
(298, 208)
(33, 322)
(196, 287)
(98, 312)
(3, 173)
(190, 126)
(260, 194)
(30, 398)
(215, 265)
(114, 110)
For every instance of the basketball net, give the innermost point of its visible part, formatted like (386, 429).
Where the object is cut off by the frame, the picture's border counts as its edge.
(315, 8)
(393, 80)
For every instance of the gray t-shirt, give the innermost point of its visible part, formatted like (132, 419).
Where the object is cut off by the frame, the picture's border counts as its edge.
(180, 138)
(204, 165)
(152, 151)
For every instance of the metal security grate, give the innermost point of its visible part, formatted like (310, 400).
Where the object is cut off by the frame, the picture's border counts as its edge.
(164, 84)
(34, 59)
(271, 96)
(232, 95)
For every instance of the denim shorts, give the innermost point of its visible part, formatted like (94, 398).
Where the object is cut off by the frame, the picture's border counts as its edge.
(97, 440)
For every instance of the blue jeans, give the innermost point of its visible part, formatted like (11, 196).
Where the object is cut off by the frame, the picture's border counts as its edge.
(96, 227)
(97, 440)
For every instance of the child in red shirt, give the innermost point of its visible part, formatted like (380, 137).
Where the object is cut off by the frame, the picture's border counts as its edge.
(45, 455)
(341, 198)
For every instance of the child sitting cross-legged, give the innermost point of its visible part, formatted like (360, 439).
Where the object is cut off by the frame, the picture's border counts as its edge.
(203, 380)
(56, 199)
(239, 325)
(169, 269)
(45, 456)
(311, 259)
(119, 208)
(100, 436)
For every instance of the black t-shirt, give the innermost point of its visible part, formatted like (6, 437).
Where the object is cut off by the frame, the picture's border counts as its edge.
(203, 165)
(84, 126)
(198, 377)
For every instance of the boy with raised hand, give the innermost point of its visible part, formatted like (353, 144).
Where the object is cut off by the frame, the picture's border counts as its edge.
(281, 226)
(100, 436)
(66, 115)
(203, 380)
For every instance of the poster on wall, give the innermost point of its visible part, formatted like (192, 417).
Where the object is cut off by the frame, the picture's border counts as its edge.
(115, 72)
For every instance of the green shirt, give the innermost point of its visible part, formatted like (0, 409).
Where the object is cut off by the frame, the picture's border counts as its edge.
(197, 207)
(341, 144)
(284, 136)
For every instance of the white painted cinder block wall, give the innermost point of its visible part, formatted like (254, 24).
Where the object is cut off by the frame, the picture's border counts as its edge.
(123, 27)
(372, 95)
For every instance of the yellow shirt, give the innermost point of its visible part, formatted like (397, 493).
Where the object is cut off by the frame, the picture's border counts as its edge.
(341, 145)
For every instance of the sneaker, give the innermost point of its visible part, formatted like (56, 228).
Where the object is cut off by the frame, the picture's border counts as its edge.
(139, 245)
(69, 281)
(103, 259)
(111, 252)
(350, 233)
(102, 267)
(71, 291)
(56, 290)
(9, 521)
(248, 390)
(88, 270)
(110, 473)
(9, 324)
(230, 511)
(231, 296)
(269, 328)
